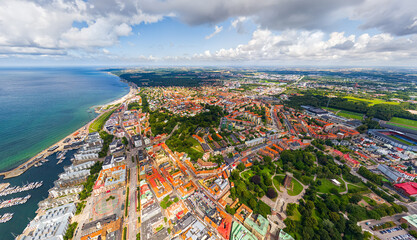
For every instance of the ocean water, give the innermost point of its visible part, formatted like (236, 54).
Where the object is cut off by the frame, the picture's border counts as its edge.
(38, 107)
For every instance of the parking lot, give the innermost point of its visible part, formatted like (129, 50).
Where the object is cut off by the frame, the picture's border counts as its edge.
(390, 233)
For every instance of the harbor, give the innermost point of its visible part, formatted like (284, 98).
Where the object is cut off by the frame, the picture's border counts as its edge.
(14, 201)
(18, 189)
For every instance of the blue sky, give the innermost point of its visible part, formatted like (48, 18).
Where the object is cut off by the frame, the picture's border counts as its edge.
(216, 32)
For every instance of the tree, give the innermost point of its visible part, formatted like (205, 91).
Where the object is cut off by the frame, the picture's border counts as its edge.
(253, 203)
(404, 225)
(355, 198)
(271, 193)
(241, 167)
(256, 179)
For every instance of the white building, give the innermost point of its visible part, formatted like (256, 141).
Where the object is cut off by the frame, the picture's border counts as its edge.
(137, 140)
(52, 225)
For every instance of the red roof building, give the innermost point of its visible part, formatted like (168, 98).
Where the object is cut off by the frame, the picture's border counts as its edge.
(408, 188)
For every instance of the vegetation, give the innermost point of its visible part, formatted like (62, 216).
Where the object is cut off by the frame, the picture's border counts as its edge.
(404, 121)
(124, 233)
(134, 106)
(91, 179)
(145, 103)
(376, 178)
(69, 234)
(271, 193)
(326, 186)
(107, 139)
(296, 188)
(80, 207)
(371, 108)
(98, 124)
(168, 77)
(372, 101)
(182, 141)
(166, 202)
(384, 225)
(127, 202)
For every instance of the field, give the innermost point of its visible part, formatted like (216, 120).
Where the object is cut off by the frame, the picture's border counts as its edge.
(403, 121)
(403, 126)
(350, 115)
(98, 124)
(326, 185)
(296, 188)
(346, 114)
(371, 102)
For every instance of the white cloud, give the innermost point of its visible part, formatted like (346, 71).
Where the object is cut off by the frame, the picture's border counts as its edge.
(217, 30)
(48, 26)
(317, 46)
(238, 24)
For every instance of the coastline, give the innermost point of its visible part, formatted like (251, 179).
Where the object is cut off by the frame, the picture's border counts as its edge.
(17, 171)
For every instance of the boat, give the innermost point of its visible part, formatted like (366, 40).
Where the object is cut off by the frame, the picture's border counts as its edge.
(61, 154)
(14, 201)
(18, 189)
(6, 217)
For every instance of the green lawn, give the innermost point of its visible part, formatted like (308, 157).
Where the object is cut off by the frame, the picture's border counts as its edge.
(296, 216)
(371, 102)
(277, 181)
(98, 124)
(196, 145)
(403, 126)
(356, 188)
(247, 174)
(402, 122)
(327, 184)
(346, 114)
(296, 188)
(351, 115)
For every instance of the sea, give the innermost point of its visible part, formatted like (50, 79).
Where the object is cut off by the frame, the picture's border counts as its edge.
(39, 107)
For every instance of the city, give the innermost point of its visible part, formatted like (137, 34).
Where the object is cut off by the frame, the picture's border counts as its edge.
(241, 156)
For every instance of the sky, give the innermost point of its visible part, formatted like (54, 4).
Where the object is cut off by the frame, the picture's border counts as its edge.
(209, 32)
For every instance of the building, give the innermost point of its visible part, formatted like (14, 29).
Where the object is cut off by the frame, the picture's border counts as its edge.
(110, 178)
(239, 232)
(116, 147)
(137, 140)
(105, 228)
(314, 111)
(284, 236)
(254, 142)
(408, 189)
(411, 220)
(258, 225)
(51, 225)
(395, 138)
(392, 174)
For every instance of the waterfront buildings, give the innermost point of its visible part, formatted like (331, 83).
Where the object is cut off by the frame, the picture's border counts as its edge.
(51, 225)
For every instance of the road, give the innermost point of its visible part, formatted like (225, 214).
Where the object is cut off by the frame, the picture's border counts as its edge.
(132, 219)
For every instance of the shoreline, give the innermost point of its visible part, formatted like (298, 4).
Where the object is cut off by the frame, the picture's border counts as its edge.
(84, 130)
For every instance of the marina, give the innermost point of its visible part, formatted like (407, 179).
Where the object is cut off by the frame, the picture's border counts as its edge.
(6, 217)
(18, 189)
(14, 201)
